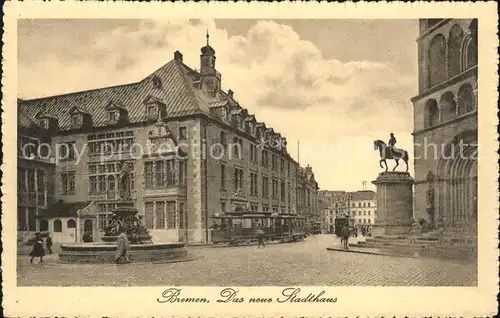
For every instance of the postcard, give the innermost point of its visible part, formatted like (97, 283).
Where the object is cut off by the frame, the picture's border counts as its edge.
(250, 159)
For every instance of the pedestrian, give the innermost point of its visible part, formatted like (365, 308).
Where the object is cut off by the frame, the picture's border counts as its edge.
(345, 235)
(48, 243)
(260, 238)
(122, 247)
(37, 250)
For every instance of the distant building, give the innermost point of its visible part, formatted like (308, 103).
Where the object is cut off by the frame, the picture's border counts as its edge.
(445, 119)
(359, 206)
(363, 207)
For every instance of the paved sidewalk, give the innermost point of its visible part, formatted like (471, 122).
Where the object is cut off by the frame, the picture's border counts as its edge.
(301, 263)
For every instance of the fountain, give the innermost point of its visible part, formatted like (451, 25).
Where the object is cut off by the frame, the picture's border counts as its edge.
(142, 249)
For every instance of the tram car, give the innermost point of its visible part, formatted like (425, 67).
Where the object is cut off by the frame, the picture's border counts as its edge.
(243, 228)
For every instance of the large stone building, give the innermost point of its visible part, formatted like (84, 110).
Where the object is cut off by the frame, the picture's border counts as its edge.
(445, 126)
(307, 197)
(190, 149)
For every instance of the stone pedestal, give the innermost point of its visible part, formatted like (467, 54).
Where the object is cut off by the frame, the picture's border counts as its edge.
(394, 204)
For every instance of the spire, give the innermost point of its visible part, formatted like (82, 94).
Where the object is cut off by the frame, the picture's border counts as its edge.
(208, 38)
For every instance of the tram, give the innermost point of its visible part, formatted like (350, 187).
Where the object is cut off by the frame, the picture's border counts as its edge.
(236, 228)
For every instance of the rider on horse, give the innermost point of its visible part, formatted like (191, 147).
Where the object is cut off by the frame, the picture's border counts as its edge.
(392, 141)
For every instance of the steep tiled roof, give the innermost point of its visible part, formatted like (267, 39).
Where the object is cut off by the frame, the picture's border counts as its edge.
(176, 93)
(25, 121)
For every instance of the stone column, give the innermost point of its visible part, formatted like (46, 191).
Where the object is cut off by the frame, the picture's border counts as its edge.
(394, 203)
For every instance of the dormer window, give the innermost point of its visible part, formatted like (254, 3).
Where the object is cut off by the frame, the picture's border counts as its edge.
(151, 111)
(157, 82)
(113, 115)
(44, 123)
(76, 120)
(116, 112)
(154, 107)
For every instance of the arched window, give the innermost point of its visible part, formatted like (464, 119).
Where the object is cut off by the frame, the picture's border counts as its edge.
(448, 106)
(71, 224)
(432, 113)
(111, 183)
(437, 60)
(465, 99)
(57, 226)
(470, 49)
(454, 43)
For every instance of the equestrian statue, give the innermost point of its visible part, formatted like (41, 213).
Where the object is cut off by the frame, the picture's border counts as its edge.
(390, 152)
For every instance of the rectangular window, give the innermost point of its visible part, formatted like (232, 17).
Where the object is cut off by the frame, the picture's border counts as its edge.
(240, 142)
(253, 183)
(149, 214)
(181, 216)
(182, 133)
(67, 151)
(238, 179)
(40, 180)
(171, 215)
(160, 215)
(67, 182)
(282, 191)
(148, 175)
(101, 180)
(265, 158)
(275, 189)
(223, 207)
(170, 166)
(265, 187)
(288, 167)
(159, 176)
(76, 120)
(93, 184)
(282, 165)
(182, 172)
(222, 138)
(274, 162)
(223, 177)
(151, 111)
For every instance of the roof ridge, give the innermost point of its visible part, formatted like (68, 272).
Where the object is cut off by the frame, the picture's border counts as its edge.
(77, 92)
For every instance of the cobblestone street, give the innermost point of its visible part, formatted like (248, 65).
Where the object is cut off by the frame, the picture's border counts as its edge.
(302, 263)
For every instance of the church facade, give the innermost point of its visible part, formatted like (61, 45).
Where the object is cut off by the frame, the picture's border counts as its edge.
(446, 126)
(191, 149)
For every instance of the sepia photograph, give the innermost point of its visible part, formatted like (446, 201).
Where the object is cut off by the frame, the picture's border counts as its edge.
(249, 152)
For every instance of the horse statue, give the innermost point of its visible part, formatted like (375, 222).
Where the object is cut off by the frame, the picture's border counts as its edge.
(389, 153)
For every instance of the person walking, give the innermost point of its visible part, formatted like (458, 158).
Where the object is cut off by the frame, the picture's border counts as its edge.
(260, 237)
(345, 235)
(122, 247)
(37, 250)
(48, 243)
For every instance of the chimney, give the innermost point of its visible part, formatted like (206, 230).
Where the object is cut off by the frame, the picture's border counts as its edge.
(178, 56)
(230, 93)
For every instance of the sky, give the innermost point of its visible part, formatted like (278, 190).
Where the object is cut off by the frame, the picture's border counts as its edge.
(331, 87)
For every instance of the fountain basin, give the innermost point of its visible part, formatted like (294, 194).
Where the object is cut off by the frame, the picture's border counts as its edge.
(114, 238)
(105, 252)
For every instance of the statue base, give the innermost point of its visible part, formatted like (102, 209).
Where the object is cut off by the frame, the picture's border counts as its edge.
(394, 204)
